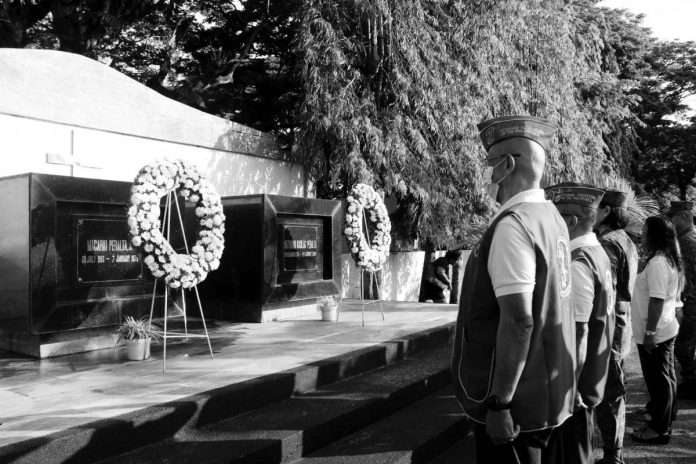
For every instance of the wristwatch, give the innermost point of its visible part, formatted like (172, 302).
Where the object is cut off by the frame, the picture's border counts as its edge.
(493, 403)
(650, 333)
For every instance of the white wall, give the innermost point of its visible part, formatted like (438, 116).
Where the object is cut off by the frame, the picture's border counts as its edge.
(66, 114)
(30, 145)
(401, 277)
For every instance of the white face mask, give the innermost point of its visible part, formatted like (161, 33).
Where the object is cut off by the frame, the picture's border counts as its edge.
(492, 187)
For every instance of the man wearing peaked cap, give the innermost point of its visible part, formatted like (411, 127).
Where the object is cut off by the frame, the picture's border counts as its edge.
(593, 303)
(612, 219)
(496, 130)
(614, 198)
(682, 216)
(513, 364)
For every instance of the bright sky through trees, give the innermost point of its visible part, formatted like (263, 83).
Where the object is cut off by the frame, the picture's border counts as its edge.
(668, 19)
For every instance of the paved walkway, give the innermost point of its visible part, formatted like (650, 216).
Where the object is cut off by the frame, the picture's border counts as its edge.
(682, 446)
(39, 397)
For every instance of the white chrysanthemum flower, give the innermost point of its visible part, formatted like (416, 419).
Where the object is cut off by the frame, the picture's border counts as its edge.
(154, 182)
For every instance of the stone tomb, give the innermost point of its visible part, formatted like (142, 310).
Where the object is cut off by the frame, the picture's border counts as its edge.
(281, 253)
(68, 270)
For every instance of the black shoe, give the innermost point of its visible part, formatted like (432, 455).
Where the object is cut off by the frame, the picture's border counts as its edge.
(686, 391)
(614, 460)
(611, 456)
(648, 436)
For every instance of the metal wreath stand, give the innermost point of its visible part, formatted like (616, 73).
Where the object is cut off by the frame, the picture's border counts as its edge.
(374, 281)
(167, 222)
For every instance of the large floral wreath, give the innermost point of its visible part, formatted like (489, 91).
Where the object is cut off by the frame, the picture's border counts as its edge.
(151, 184)
(369, 256)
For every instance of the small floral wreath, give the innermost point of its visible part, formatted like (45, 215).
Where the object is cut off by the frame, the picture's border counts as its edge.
(150, 185)
(369, 256)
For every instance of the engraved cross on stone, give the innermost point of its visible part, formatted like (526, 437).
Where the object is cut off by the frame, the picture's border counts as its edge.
(69, 159)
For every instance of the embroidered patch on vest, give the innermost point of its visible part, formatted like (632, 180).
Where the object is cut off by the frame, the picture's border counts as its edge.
(609, 284)
(563, 259)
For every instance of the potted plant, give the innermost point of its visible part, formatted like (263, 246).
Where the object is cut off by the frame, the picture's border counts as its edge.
(329, 308)
(137, 334)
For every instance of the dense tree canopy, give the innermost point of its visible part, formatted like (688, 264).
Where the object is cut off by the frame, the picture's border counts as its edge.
(394, 89)
(665, 162)
(389, 91)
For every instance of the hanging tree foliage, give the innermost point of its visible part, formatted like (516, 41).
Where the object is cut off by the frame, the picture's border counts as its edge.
(389, 91)
(393, 90)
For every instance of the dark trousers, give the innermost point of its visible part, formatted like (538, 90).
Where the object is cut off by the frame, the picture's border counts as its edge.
(685, 345)
(611, 412)
(527, 448)
(661, 380)
(577, 437)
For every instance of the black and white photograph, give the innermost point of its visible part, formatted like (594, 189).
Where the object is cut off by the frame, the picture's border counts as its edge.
(347, 231)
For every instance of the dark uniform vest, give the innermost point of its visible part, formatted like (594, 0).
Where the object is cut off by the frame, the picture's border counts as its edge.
(687, 244)
(600, 334)
(546, 390)
(623, 257)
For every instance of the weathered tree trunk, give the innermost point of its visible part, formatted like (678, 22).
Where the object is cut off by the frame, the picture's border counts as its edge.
(456, 288)
(80, 24)
(16, 17)
(682, 190)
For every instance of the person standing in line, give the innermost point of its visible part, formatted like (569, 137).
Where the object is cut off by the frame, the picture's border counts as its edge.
(655, 326)
(593, 303)
(682, 216)
(513, 363)
(436, 278)
(610, 414)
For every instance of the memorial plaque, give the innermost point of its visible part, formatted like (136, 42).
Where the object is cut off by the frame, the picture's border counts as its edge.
(70, 272)
(281, 254)
(104, 253)
(299, 247)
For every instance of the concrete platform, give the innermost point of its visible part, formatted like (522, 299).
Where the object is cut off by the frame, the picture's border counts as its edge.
(42, 397)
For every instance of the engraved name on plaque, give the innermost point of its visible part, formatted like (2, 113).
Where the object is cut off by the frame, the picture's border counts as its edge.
(104, 252)
(299, 247)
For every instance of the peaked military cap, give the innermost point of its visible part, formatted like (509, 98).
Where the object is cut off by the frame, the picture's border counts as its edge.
(613, 197)
(574, 193)
(501, 128)
(679, 207)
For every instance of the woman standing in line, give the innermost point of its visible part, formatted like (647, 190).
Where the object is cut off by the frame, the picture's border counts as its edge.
(655, 326)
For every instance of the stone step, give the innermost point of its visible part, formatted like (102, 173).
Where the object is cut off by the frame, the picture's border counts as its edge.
(289, 429)
(416, 434)
(461, 452)
(103, 439)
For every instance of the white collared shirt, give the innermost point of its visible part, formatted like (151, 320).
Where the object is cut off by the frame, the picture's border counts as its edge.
(512, 260)
(582, 279)
(660, 280)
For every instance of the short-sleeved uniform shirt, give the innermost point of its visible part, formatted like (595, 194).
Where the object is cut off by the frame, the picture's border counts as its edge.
(661, 280)
(512, 260)
(583, 280)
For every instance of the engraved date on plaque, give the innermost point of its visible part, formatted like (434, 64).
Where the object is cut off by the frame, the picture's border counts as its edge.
(299, 250)
(104, 252)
